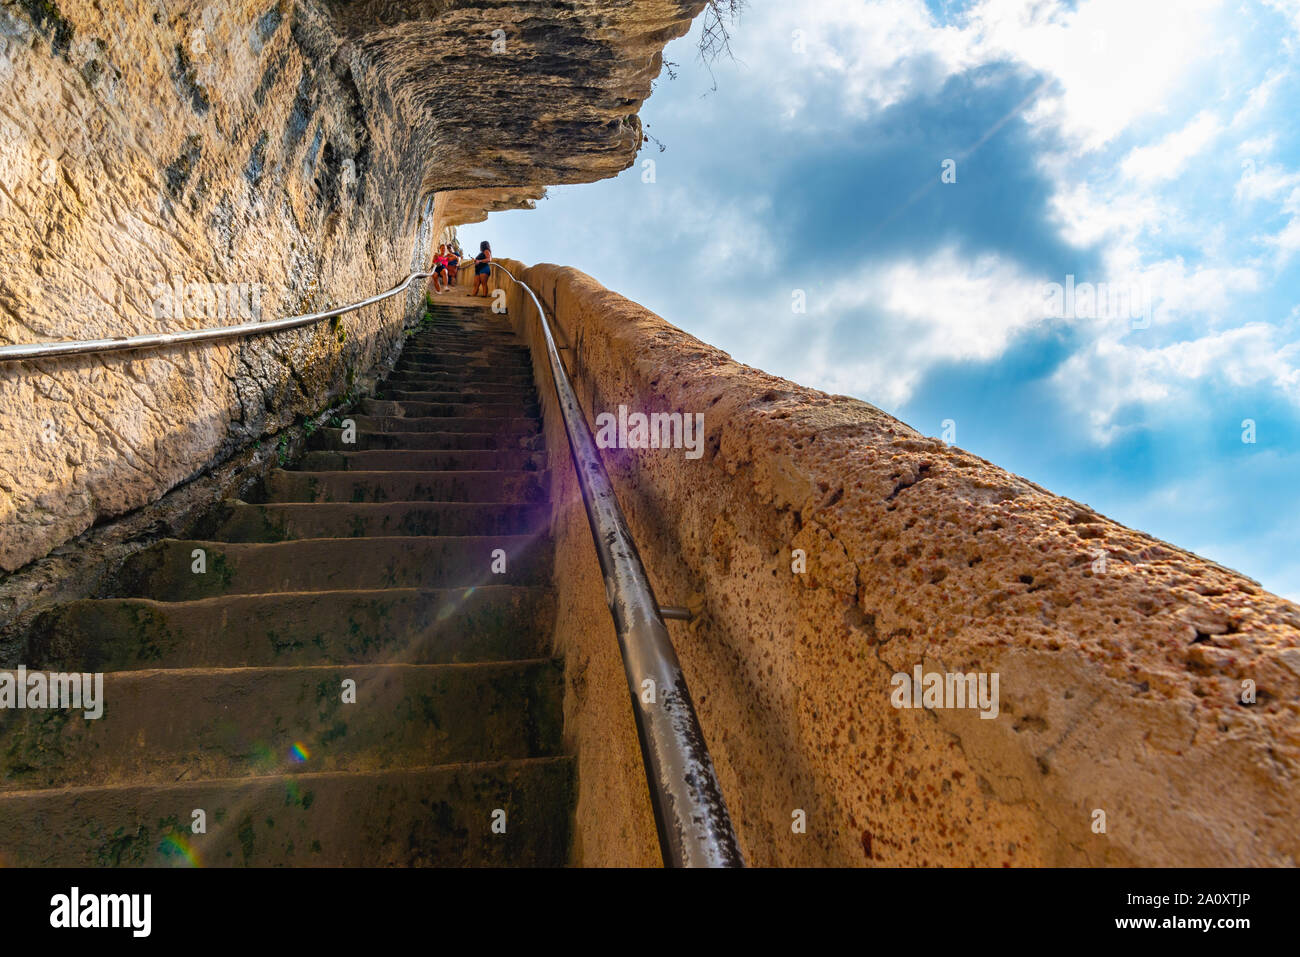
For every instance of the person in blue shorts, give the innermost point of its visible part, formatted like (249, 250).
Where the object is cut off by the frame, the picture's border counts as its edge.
(481, 268)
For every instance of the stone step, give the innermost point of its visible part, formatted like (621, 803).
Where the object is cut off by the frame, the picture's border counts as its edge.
(282, 485)
(444, 323)
(431, 816)
(468, 409)
(436, 326)
(446, 336)
(450, 346)
(161, 726)
(469, 319)
(461, 374)
(287, 521)
(440, 324)
(479, 460)
(398, 423)
(475, 370)
(445, 360)
(467, 394)
(462, 391)
(164, 570)
(332, 439)
(445, 381)
(447, 345)
(408, 625)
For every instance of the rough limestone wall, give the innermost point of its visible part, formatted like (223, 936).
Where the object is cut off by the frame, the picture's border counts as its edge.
(1120, 682)
(194, 144)
(295, 148)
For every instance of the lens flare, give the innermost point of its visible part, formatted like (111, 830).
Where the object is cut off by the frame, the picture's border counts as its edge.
(174, 845)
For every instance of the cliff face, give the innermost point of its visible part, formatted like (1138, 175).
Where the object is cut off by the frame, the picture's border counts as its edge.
(177, 166)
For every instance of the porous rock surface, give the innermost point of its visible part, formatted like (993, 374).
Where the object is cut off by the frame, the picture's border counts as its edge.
(304, 149)
(1123, 660)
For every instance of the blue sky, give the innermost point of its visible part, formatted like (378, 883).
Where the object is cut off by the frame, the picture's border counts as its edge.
(1149, 145)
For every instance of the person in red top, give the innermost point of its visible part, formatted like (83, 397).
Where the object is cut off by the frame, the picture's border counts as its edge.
(438, 279)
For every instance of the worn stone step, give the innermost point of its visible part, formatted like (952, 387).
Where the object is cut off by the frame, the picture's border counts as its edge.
(397, 423)
(430, 816)
(443, 336)
(438, 337)
(465, 378)
(446, 360)
(196, 723)
(282, 485)
(471, 345)
(466, 371)
(440, 324)
(432, 461)
(467, 317)
(165, 570)
(469, 409)
(469, 353)
(465, 346)
(332, 440)
(525, 394)
(463, 390)
(286, 521)
(462, 374)
(437, 326)
(465, 368)
(409, 625)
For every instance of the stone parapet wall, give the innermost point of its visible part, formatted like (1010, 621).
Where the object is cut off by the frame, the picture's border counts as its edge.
(1122, 660)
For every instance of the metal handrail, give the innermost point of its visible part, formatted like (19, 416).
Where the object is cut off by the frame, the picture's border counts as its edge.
(690, 814)
(694, 826)
(44, 350)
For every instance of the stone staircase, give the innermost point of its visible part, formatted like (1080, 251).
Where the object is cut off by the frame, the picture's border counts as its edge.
(369, 566)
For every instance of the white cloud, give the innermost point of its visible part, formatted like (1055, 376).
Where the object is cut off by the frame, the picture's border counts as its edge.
(729, 230)
(1087, 215)
(1264, 182)
(1259, 99)
(861, 57)
(1114, 61)
(1108, 63)
(1111, 375)
(1167, 158)
(943, 308)
(1286, 242)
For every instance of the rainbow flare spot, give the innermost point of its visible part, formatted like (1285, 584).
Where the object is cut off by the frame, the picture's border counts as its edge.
(174, 844)
(299, 752)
